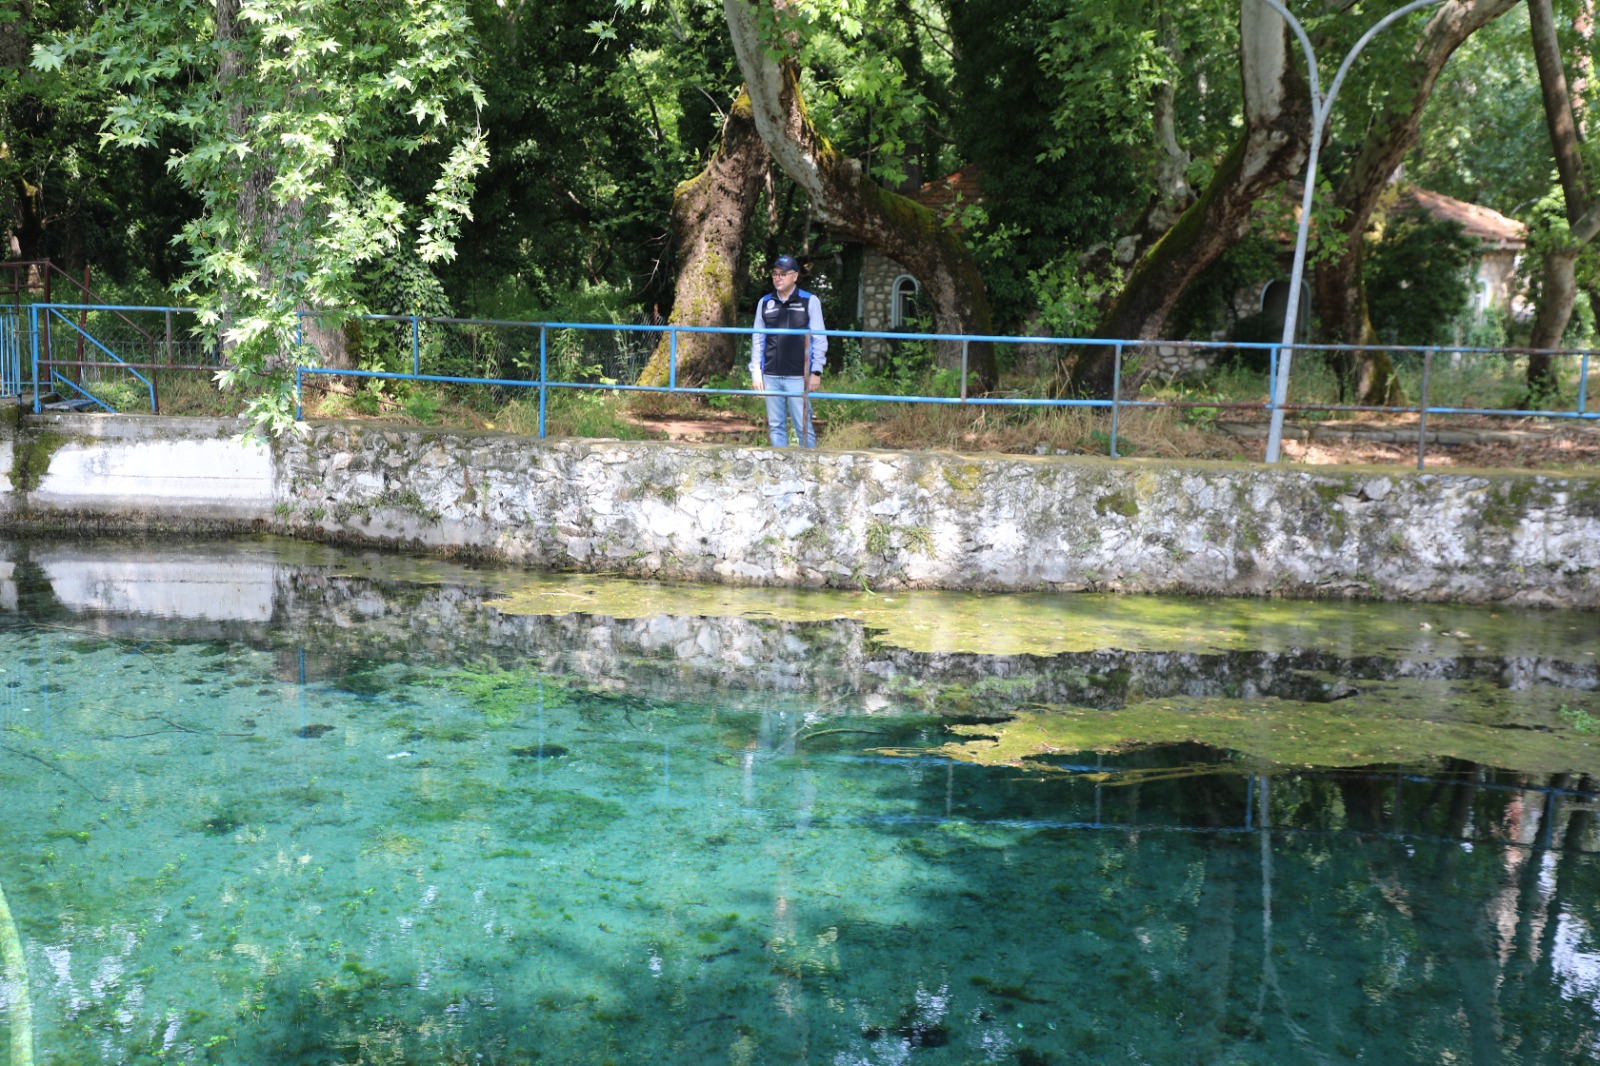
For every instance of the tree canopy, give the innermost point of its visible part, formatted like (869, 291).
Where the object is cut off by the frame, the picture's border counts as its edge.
(269, 157)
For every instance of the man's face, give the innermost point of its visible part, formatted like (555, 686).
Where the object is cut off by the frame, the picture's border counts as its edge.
(784, 280)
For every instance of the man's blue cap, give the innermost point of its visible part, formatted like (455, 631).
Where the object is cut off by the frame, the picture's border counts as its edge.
(786, 262)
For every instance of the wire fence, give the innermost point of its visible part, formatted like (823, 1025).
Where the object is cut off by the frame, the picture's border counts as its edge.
(90, 350)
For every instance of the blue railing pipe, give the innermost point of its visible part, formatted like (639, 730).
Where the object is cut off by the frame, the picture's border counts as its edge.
(149, 384)
(62, 379)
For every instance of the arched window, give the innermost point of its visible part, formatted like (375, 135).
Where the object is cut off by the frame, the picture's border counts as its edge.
(902, 300)
(1275, 306)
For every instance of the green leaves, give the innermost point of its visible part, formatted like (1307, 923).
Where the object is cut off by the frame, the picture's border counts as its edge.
(48, 56)
(290, 111)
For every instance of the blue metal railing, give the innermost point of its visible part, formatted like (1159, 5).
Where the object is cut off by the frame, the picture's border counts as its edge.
(11, 345)
(539, 377)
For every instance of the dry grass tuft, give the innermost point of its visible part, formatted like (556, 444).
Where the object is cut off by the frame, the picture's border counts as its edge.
(1024, 431)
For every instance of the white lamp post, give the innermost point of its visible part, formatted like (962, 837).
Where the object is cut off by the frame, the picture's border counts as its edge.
(1320, 108)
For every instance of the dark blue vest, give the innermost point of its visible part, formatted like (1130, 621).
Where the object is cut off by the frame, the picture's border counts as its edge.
(785, 356)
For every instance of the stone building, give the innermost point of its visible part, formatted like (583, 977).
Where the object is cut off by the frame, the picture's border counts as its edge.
(888, 296)
(1501, 242)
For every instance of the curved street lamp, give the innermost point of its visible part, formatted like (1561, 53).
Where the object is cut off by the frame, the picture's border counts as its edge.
(1321, 106)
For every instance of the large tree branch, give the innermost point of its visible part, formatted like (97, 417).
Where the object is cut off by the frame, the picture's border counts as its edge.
(1587, 227)
(850, 203)
(1273, 148)
(1393, 132)
(791, 139)
(1559, 289)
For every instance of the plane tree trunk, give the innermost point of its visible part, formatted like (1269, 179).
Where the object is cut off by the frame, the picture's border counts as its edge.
(710, 216)
(1559, 289)
(1274, 147)
(1340, 296)
(849, 203)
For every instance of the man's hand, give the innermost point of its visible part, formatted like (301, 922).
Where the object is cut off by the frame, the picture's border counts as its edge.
(756, 383)
(815, 383)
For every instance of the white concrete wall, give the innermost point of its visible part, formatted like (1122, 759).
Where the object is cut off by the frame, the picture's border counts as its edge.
(162, 467)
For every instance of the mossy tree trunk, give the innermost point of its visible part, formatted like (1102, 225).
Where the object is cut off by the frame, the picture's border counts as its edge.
(1273, 148)
(1340, 297)
(710, 217)
(849, 202)
(26, 219)
(1559, 290)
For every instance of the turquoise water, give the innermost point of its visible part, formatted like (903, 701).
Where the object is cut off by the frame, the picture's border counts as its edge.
(271, 804)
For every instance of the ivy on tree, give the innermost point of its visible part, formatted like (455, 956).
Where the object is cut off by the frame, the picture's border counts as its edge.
(286, 112)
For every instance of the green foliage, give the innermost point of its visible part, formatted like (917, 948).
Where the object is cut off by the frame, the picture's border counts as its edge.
(1058, 173)
(1581, 328)
(60, 196)
(288, 112)
(596, 111)
(1069, 297)
(1549, 229)
(122, 394)
(1418, 279)
(1208, 306)
(1579, 719)
(1483, 138)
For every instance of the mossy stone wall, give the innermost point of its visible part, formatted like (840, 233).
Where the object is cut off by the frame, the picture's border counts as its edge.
(765, 516)
(879, 520)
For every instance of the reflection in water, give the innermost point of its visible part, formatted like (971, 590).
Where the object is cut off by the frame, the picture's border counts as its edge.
(364, 820)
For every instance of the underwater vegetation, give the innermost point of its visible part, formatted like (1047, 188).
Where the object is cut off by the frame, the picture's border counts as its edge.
(768, 828)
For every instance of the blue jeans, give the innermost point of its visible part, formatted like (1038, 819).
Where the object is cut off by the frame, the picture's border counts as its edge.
(788, 410)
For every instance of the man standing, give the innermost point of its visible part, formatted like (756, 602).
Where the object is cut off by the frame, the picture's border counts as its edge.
(788, 367)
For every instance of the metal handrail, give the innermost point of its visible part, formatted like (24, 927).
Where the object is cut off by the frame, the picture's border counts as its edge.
(1275, 353)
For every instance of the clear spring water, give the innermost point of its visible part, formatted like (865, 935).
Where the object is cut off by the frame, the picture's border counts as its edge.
(263, 803)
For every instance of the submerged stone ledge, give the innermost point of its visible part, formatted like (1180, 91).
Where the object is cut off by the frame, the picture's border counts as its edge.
(761, 516)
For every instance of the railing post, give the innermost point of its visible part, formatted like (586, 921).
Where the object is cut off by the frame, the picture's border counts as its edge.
(1272, 375)
(83, 327)
(1583, 385)
(299, 393)
(416, 347)
(543, 356)
(1116, 393)
(33, 339)
(672, 357)
(965, 343)
(1422, 419)
(1277, 401)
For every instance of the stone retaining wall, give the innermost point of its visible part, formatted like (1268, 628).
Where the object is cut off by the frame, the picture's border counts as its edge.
(849, 519)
